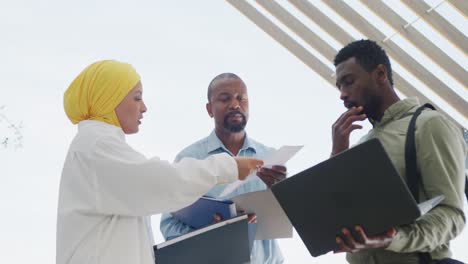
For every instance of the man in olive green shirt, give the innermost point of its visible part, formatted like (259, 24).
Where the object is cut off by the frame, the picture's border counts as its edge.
(364, 78)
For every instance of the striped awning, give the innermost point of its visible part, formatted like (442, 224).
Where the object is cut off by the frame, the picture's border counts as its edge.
(424, 39)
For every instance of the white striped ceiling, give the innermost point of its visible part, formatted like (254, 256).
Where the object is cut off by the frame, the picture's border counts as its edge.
(426, 41)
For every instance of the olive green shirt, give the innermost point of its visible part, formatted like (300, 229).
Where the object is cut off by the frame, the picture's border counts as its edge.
(441, 153)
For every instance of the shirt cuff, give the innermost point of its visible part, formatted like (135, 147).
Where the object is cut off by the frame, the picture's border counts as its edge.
(398, 242)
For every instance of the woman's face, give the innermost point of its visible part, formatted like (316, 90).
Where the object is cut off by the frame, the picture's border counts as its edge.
(130, 110)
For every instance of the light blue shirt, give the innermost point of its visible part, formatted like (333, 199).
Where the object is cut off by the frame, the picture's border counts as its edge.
(263, 251)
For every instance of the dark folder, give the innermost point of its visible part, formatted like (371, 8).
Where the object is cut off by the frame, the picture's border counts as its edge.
(357, 187)
(227, 242)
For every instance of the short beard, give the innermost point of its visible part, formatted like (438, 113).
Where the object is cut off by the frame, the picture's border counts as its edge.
(373, 105)
(234, 128)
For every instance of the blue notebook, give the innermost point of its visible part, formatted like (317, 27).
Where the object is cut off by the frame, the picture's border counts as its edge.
(201, 213)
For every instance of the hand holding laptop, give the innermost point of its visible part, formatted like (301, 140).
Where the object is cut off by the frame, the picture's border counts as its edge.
(352, 244)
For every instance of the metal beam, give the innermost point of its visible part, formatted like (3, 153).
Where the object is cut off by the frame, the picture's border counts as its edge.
(327, 24)
(284, 39)
(299, 28)
(461, 5)
(401, 56)
(408, 90)
(419, 40)
(439, 23)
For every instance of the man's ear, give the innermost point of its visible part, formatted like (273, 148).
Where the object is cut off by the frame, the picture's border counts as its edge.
(381, 73)
(208, 109)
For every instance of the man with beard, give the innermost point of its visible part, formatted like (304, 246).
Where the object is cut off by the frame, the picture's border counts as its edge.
(364, 78)
(228, 104)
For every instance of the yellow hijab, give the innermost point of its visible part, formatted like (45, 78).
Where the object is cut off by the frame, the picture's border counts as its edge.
(98, 90)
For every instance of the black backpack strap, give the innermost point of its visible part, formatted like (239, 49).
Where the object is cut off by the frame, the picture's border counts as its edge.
(466, 187)
(411, 162)
(412, 174)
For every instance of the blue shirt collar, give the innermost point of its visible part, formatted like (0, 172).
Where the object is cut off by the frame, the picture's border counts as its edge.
(214, 143)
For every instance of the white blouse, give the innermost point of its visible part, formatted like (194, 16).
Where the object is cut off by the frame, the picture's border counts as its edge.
(108, 191)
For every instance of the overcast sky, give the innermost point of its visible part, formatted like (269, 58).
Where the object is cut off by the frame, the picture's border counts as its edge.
(177, 47)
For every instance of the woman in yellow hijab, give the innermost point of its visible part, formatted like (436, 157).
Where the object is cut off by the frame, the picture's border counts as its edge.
(98, 90)
(108, 191)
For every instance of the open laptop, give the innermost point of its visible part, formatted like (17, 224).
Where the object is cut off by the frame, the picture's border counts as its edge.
(357, 187)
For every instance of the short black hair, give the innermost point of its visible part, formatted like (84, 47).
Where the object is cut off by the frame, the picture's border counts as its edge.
(367, 53)
(225, 75)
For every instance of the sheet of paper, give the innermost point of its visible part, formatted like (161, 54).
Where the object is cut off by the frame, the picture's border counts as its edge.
(281, 156)
(275, 157)
(272, 222)
(426, 206)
